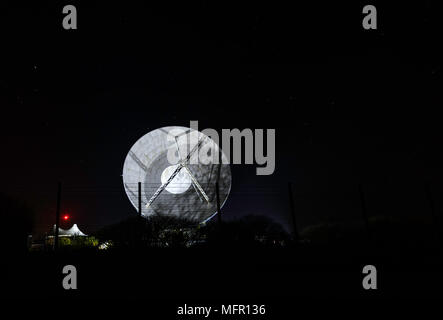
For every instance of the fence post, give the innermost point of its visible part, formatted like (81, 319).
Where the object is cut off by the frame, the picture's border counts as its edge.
(218, 203)
(292, 208)
(364, 211)
(57, 216)
(140, 199)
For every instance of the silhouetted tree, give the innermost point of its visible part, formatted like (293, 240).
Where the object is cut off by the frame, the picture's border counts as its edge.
(17, 221)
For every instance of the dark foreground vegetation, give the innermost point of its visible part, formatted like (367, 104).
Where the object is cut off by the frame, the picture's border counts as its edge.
(253, 259)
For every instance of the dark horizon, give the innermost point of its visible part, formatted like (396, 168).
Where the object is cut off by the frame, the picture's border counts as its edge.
(349, 107)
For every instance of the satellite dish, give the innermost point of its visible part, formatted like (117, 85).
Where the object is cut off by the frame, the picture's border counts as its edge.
(178, 168)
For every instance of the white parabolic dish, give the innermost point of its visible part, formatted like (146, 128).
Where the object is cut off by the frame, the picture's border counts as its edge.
(191, 194)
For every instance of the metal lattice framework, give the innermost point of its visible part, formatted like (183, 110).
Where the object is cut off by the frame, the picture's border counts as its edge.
(184, 188)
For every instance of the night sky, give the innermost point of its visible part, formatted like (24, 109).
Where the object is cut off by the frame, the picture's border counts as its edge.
(349, 106)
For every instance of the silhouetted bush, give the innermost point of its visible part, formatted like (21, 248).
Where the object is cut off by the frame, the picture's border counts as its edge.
(17, 221)
(164, 231)
(384, 232)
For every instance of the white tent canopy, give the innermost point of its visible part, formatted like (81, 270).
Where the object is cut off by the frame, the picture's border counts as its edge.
(73, 231)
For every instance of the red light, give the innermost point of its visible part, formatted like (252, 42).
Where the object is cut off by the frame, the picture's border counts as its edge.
(65, 217)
